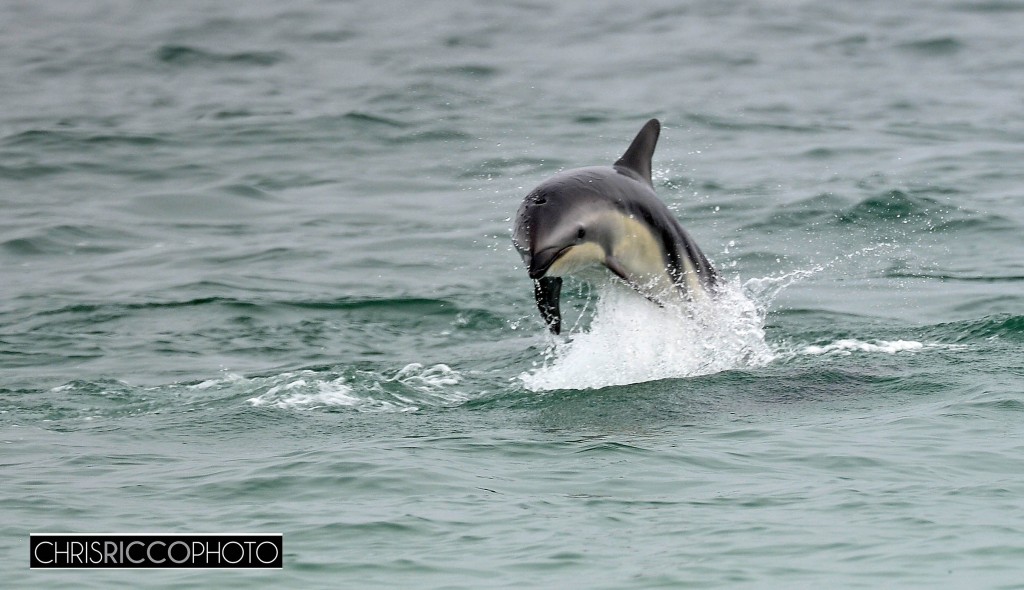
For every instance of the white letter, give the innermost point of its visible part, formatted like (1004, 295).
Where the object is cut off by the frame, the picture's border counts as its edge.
(128, 550)
(110, 554)
(258, 552)
(183, 544)
(150, 548)
(224, 550)
(80, 550)
(66, 553)
(36, 551)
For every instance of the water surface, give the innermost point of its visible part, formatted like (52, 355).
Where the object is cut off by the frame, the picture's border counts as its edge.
(256, 275)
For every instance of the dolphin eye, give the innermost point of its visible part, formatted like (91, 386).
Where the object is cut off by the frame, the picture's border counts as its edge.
(580, 233)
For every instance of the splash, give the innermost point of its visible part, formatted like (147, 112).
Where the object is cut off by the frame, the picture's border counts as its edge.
(632, 341)
(763, 291)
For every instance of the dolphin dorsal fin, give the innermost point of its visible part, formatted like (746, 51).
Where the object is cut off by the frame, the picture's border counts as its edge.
(638, 157)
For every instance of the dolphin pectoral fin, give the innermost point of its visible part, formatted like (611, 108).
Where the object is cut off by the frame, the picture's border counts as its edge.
(616, 267)
(546, 290)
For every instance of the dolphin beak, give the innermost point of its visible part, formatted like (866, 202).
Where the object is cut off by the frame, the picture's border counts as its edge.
(541, 261)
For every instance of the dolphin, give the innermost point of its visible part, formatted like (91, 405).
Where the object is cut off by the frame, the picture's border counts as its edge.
(610, 216)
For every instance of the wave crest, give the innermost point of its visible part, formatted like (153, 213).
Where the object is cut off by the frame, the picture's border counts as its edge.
(407, 390)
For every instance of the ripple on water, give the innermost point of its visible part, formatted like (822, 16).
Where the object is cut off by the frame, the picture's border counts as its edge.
(188, 56)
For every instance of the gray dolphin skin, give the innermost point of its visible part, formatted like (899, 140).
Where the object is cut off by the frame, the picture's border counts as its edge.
(610, 216)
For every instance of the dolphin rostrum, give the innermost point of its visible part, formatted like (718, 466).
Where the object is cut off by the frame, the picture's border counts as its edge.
(609, 215)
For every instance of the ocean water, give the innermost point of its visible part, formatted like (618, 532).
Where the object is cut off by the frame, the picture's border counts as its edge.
(256, 275)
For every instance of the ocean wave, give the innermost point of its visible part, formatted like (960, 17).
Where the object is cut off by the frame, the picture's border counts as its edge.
(184, 55)
(70, 239)
(919, 209)
(81, 400)
(986, 329)
(411, 388)
(407, 390)
(894, 205)
(73, 139)
(848, 346)
(934, 46)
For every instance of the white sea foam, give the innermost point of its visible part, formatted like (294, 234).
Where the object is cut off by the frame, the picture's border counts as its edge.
(849, 346)
(305, 390)
(406, 391)
(430, 379)
(632, 340)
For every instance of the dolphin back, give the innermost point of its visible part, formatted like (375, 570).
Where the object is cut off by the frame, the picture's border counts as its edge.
(638, 201)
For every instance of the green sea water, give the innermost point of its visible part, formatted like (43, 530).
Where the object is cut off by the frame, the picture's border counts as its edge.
(256, 275)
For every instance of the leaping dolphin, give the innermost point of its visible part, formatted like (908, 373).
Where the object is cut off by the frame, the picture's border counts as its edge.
(609, 215)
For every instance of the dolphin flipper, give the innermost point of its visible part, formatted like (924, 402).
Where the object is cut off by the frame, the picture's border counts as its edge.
(613, 264)
(547, 291)
(620, 271)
